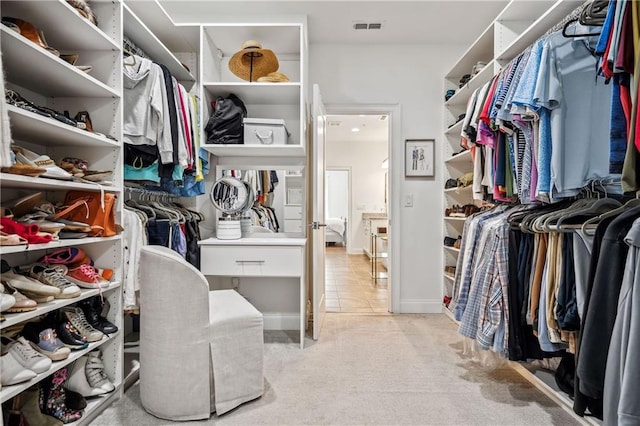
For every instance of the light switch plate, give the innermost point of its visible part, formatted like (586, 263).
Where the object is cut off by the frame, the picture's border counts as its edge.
(408, 200)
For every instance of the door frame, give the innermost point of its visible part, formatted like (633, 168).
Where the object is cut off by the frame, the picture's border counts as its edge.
(395, 174)
(348, 170)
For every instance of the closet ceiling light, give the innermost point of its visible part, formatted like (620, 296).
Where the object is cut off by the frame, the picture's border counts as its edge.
(355, 129)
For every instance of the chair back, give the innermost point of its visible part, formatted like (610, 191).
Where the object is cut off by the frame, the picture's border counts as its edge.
(175, 380)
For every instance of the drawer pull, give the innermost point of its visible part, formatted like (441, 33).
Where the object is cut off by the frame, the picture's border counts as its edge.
(250, 261)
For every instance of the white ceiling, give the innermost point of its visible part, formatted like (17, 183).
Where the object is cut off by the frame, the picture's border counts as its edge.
(372, 128)
(331, 21)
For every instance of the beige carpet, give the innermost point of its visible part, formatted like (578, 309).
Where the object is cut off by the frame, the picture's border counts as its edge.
(376, 370)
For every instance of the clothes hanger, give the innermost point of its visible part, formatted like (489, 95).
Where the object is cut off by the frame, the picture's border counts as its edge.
(598, 207)
(127, 54)
(549, 222)
(576, 35)
(589, 227)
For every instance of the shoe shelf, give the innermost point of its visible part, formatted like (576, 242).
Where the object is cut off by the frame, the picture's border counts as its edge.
(9, 392)
(18, 181)
(27, 125)
(44, 308)
(452, 249)
(449, 276)
(4, 250)
(463, 158)
(455, 129)
(29, 65)
(144, 38)
(63, 27)
(466, 191)
(459, 100)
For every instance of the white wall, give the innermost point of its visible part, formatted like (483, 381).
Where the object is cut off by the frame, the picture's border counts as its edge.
(411, 76)
(367, 183)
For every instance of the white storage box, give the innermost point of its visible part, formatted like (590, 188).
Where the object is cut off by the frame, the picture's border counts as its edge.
(265, 131)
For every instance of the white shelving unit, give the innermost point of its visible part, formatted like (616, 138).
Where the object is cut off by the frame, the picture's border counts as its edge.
(46, 80)
(262, 100)
(519, 25)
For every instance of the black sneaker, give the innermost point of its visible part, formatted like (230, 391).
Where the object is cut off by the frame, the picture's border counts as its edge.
(92, 309)
(70, 337)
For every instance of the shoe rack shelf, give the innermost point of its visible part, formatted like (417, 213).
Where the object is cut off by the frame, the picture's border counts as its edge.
(27, 182)
(28, 125)
(144, 38)
(461, 158)
(46, 80)
(9, 392)
(63, 27)
(4, 250)
(45, 308)
(45, 73)
(452, 249)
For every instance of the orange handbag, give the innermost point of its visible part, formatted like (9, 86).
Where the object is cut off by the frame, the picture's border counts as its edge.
(91, 208)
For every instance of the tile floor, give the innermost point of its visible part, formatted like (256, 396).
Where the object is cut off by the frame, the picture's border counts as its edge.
(349, 285)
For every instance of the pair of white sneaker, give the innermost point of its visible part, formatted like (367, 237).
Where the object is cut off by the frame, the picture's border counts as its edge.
(87, 376)
(21, 362)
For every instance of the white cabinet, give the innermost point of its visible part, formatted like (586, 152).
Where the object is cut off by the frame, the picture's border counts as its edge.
(259, 257)
(48, 81)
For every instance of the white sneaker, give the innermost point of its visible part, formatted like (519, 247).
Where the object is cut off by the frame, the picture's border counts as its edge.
(29, 357)
(96, 375)
(12, 372)
(6, 300)
(81, 374)
(54, 275)
(30, 285)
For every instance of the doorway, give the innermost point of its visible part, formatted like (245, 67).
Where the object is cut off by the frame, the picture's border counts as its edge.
(356, 203)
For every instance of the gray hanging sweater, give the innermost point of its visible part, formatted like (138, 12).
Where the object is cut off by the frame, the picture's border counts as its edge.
(146, 114)
(622, 379)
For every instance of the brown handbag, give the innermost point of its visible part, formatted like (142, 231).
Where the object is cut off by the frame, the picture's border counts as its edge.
(91, 208)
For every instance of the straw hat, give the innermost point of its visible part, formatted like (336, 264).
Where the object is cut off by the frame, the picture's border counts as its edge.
(274, 77)
(253, 62)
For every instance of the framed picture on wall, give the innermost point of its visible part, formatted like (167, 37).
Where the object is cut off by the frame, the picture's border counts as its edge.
(419, 157)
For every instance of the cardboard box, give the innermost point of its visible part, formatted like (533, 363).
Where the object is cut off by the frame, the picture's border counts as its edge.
(265, 131)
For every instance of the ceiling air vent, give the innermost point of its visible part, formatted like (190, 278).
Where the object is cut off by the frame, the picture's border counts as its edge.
(362, 25)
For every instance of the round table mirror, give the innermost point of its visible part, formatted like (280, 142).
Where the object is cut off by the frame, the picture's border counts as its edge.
(231, 196)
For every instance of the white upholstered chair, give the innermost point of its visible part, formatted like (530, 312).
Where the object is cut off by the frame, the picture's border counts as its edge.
(200, 351)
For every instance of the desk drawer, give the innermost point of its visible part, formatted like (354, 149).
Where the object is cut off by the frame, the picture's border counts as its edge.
(251, 261)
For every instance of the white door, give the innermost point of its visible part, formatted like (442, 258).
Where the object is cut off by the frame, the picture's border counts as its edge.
(317, 225)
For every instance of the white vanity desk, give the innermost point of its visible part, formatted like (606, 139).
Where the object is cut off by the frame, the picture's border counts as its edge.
(275, 255)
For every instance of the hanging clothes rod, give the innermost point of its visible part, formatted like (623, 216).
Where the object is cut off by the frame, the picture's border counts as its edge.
(147, 194)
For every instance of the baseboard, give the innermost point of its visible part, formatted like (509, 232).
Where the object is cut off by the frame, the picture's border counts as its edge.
(281, 321)
(421, 306)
